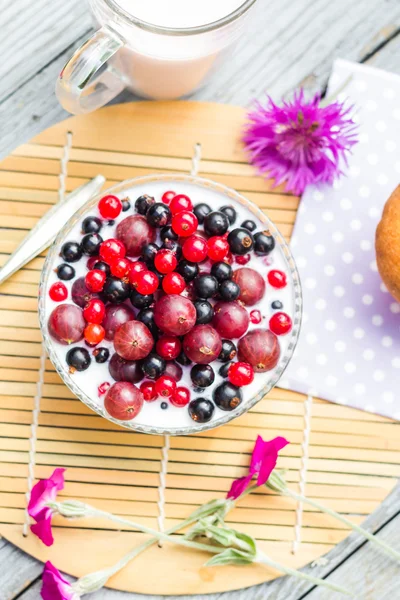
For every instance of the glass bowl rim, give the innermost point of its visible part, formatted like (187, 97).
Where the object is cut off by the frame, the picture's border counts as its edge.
(244, 406)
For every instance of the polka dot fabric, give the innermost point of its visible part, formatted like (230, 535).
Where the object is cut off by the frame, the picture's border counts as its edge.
(349, 347)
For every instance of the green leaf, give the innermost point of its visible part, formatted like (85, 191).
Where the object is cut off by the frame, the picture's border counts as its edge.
(231, 556)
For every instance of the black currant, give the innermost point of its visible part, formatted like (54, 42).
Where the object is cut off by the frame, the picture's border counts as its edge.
(201, 211)
(91, 225)
(164, 405)
(227, 396)
(101, 355)
(202, 376)
(110, 222)
(125, 204)
(102, 266)
(146, 316)
(221, 271)
(65, 272)
(228, 351)
(204, 311)
(71, 252)
(201, 410)
(188, 270)
(143, 204)
(158, 215)
(91, 243)
(149, 252)
(229, 290)
(223, 371)
(116, 290)
(183, 360)
(141, 300)
(277, 305)
(264, 242)
(248, 224)
(153, 366)
(174, 247)
(229, 212)
(167, 233)
(240, 241)
(78, 359)
(205, 286)
(216, 223)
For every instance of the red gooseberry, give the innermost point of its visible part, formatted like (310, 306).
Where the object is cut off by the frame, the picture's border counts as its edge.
(168, 347)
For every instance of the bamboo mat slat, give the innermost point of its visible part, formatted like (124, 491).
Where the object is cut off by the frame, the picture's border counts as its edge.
(353, 456)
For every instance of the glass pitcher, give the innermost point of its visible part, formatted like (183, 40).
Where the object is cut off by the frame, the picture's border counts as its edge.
(155, 62)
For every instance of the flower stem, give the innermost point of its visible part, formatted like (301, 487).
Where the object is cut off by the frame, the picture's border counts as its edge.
(370, 536)
(263, 558)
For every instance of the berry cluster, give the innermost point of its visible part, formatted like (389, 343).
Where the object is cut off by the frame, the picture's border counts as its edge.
(162, 294)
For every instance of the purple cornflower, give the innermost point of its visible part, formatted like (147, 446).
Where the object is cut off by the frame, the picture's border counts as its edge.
(300, 142)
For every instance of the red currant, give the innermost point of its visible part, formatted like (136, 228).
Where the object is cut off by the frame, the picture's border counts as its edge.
(120, 267)
(145, 282)
(240, 373)
(168, 347)
(58, 292)
(148, 389)
(112, 249)
(95, 280)
(91, 262)
(242, 260)
(165, 261)
(180, 203)
(165, 386)
(195, 249)
(277, 279)
(103, 388)
(136, 267)
(218, 248)
(229, 258)
(173, 283)
(94, 311)
(181, 397)
(255, 317)
(110, 207)
(94, 334)
(167, 196)
(184, 223)
(280, 323)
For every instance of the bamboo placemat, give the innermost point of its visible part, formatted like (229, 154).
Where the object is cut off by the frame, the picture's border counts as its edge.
(347, 459)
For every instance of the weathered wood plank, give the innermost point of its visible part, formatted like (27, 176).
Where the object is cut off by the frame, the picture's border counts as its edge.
(283, 49)
(18, 570)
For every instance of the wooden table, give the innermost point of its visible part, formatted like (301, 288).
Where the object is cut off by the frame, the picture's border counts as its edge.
(291, 44)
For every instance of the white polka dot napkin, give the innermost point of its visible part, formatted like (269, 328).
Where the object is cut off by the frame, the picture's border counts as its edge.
(349, 347)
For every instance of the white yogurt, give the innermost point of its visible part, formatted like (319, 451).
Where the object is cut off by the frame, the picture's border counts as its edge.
(178, 418)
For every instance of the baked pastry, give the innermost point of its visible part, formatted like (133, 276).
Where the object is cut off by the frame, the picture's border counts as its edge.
(387, 244)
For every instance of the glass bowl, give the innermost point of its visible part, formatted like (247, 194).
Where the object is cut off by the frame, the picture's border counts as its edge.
(271, 377)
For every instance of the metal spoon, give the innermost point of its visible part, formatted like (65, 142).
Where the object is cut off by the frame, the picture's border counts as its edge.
(45, 231)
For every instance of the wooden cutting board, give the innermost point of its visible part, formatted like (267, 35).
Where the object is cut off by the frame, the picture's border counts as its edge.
(347, 459)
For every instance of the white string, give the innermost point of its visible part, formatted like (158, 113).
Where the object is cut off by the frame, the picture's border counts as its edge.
(42, 365)
(161, 487)
(303, 471)
(196, 158)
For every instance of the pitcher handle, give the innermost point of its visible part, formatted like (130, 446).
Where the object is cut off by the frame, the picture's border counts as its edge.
(83, 85)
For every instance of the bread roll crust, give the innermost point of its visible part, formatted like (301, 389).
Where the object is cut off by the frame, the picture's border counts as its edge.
(387, 244)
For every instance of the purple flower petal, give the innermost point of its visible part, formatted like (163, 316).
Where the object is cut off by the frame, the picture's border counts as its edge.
(42, 529)
(43, 492)
(270, 452)
(54, 586)
(300, 142)
(239, 486)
